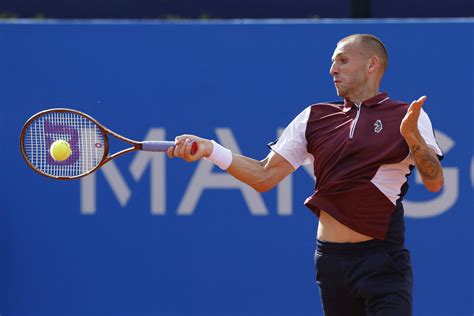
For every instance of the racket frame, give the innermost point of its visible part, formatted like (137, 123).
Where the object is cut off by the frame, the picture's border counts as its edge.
(136, 145)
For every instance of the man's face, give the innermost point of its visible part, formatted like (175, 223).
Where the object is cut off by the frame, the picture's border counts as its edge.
(349, 69)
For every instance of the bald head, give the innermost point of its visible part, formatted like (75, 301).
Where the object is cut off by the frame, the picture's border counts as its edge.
(371, 45)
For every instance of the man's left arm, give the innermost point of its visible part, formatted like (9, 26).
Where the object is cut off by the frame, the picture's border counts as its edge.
(426, 159)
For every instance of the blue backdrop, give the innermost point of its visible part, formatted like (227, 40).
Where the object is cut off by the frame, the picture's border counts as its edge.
(150, 236)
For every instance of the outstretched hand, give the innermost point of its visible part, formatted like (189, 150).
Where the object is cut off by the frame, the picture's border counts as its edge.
(183, 146)
(409, 125)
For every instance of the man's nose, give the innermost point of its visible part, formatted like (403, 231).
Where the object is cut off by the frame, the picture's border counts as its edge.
(333, 70)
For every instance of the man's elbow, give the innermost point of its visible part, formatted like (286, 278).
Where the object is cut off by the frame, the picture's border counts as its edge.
(264, 185)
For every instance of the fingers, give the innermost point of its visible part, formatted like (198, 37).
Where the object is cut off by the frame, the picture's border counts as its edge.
(417, 104)
(422, 99)
(188, 156)
(409, 125)
(179, 148)
(174, 151)
(183, 148)
(170, 152)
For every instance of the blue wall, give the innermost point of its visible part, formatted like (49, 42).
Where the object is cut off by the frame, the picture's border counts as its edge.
(150, 236)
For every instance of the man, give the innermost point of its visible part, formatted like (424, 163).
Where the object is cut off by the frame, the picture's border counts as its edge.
(362, 150)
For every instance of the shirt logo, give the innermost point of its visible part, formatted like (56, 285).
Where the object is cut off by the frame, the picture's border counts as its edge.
(378, 126)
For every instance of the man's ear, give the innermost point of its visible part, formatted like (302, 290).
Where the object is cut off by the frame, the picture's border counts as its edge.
(374, 63)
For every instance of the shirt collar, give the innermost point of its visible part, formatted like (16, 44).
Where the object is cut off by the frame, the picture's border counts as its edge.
(378, 99)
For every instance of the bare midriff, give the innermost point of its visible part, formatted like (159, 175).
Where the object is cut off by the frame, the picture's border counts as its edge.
(331, 230)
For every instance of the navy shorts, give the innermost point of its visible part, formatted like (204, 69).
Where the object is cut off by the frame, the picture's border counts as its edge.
(371, 278)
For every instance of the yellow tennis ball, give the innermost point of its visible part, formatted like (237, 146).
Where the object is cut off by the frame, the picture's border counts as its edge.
(60, 150)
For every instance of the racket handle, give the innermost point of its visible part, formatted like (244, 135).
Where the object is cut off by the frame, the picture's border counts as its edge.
(163, 145)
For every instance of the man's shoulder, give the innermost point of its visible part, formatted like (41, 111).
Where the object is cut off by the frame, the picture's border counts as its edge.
(393, 106)
(398, 102)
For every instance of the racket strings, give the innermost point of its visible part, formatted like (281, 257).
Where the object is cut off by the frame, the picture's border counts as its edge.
(85, 139)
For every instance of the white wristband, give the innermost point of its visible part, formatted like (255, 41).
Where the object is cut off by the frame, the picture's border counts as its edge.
(220, 156)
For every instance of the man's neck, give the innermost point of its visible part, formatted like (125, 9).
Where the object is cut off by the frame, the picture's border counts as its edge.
(361, 98)
(364, 94)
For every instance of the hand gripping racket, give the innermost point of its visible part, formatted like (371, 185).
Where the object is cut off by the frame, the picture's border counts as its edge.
(87, 139)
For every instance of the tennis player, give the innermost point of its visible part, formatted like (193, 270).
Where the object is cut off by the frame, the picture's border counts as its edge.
(362, 150)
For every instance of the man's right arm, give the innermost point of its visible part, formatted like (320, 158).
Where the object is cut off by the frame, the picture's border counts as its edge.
(261, 175)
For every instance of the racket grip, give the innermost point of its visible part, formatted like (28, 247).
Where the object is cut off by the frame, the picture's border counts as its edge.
(163, 145)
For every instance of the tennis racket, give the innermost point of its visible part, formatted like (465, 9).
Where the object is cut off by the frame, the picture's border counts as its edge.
(87, 139)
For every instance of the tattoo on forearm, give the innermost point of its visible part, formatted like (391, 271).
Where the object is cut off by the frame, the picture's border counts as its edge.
(427, 165)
